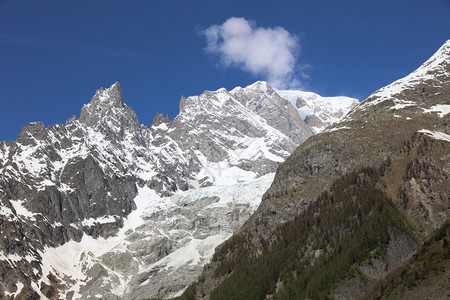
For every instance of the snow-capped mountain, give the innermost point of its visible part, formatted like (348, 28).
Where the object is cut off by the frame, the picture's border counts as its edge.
(388, 119)
(106, 207)
(319, 112)
(314, 112)
(262, 99)
(398, 139)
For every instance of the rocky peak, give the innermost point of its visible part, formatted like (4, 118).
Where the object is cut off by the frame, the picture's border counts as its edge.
(317, 111)
(182, 101)
(160, 119)
(104, 102)
(253, 94)
(262, 86)
(262, 99)
(113, 95)
(208, 104)
(31, 132)
(219, 96)
(438, 64)
(109, 115)
(300, 103)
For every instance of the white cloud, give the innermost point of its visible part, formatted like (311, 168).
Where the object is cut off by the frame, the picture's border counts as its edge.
(266, 52)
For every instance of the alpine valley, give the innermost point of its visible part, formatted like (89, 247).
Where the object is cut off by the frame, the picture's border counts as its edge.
(253, 193)
(106, 208)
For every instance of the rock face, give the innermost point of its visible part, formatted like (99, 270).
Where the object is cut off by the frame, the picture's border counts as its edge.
(405, 123)
(262, 99)
(106, 207)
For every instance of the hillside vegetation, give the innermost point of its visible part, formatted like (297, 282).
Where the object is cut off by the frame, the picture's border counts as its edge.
(317, 249)
(425, 274)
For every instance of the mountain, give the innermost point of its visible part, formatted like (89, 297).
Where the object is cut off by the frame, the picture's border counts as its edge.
(350, 203)
(315, 111)
(106, 207)
(318, 112)
(262, 99)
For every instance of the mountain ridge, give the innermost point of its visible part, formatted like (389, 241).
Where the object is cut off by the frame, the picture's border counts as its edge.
(124, 200)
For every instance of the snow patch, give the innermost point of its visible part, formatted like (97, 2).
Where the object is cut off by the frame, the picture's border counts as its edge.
(437, 135)
(193, 252)
(102, 220)
(430, 70)
(442, 110)
(224, 174)
(163, 126)
(19, 286)
(337, 128)
(399, 104)
(6, 211)
(21, 210)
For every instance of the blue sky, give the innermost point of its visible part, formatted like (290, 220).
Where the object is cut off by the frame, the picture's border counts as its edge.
(54, 55)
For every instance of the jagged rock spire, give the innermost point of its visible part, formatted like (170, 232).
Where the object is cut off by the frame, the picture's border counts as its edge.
(110, 115)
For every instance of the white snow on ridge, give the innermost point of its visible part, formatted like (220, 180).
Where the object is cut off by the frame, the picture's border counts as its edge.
(337, 128)
(259, 85)
(429, 70)
(102, 220)
(328, 109)
(437, 135)
(15, 257)
(335, 102)
(399, 104)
